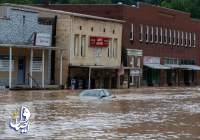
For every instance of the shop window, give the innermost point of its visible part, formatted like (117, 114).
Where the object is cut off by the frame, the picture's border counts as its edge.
(115, 48)
(4, 63)
(151, 35)
(141, 32)
(37, 64)
(147, 34)
(76, 45)
(165, 36)
(174, 37)
(83, 45)
(110, 48)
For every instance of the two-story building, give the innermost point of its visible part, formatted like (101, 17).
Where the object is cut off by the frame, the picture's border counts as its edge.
(25, 47)
(92, 55)
(164, 42)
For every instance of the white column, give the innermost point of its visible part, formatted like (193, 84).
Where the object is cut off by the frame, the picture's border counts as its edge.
(89, 78)
(61, 66)
(43, 68)
(30, 69)
(10, 67)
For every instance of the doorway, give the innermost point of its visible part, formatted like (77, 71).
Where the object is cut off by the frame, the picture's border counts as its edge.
(21, 70)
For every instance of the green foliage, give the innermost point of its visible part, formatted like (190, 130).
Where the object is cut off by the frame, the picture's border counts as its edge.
(17, 1)
(191, 6)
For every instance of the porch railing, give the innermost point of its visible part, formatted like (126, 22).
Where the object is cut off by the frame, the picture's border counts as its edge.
(37, 84)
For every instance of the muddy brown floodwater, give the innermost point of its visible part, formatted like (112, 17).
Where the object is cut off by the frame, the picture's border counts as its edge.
(155, 115)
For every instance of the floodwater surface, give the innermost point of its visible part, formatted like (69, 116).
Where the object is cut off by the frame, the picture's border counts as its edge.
(156, 115)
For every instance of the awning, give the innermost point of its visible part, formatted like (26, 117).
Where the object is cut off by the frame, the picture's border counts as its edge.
(157, 66)
(190, 67)
(172, 66)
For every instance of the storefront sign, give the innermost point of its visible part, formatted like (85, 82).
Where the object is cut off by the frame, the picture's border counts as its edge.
(134, 72)
(99, 41)
(43, 39)
(151, 60)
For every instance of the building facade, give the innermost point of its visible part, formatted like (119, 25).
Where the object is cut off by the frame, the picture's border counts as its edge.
(24, 57)
(167, 42)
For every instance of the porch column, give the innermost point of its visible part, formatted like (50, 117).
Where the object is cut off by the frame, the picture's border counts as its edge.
(43, 68)
(61, 67)
(89, 78)
(10, 67)
(31, 69)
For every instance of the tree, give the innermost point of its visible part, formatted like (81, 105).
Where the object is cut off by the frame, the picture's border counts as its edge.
(191, 6)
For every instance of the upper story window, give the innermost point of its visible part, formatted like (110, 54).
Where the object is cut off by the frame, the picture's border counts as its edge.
(178, 38)
(83, 45)
(194, 39)
(76, 45)
(165, 36)
(190, 39)
(115, 47)
(170, 36)
(151, 34)
(131, 33)
(161, 35)
(182, 38)
(156, 35)
(147, 34)
(141, 32)
(174, 37)
(186, 39)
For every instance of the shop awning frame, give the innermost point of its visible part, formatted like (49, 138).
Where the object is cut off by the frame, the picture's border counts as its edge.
(157, 66)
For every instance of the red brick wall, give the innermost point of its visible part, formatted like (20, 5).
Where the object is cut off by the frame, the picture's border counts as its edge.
(147, 15)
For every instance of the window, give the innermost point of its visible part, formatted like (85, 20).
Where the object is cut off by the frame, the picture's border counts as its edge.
(147, 34)
(37, 64)
(170, 36)
(178, 38)
(182, 38)
(194, 39)
(141, 32)
(83, 45)
(76, 45)
(190, 39)
(151, 35)
(165, 36)
(156, 35)
(131, 33)
(186, 39)
(4, 63)
(174, 38)
(161, 35)
(110, 48)
(115, 48)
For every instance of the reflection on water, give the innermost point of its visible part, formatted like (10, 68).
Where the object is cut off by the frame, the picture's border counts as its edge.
(59, 115)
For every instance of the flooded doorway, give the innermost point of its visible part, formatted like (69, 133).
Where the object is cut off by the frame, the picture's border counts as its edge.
(21, 70)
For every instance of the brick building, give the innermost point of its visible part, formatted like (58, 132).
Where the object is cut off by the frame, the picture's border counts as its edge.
(163, 44)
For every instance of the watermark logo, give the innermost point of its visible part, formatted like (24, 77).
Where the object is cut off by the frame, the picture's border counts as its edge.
(19, 120)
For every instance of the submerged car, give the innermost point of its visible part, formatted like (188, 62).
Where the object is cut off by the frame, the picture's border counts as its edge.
(96, 93)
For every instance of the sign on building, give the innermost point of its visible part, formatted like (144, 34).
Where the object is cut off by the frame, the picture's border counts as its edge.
(43, 39)
(99, 41)
(151, 60)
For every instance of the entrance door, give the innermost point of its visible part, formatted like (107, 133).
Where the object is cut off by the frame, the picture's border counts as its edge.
(21, 70)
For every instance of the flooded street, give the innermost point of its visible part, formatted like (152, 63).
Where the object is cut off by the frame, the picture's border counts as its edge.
(157, 115)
